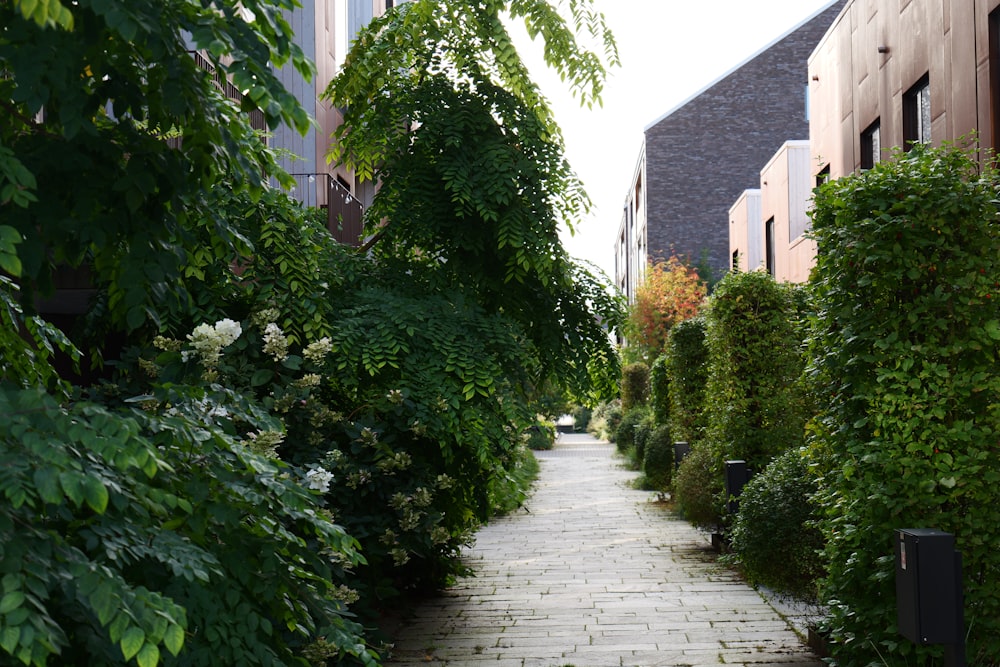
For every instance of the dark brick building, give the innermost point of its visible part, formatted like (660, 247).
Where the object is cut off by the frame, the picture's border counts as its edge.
(697, 159)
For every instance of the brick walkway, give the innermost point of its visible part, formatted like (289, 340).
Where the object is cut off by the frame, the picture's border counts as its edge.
(595, 574)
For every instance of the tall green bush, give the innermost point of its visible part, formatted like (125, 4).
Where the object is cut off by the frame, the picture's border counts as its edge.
(903, 360)
(659, 389)
(635, 386)
(686, 366)
(754, 407)
(631, 421)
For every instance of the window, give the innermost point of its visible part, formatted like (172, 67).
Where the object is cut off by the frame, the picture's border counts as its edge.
(769, 241)
(917, 113)
(823, 176)
(871, 146)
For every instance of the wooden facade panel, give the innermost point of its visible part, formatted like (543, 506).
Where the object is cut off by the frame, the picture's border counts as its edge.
(800, 184)
(961, 62)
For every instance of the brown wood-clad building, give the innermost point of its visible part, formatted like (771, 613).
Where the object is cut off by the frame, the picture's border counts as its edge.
(890, 72)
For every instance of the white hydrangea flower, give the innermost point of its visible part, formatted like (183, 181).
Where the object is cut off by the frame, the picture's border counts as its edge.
(228, 331)
(208, 340)
(319, 479)
(317, 350)
(275, 343)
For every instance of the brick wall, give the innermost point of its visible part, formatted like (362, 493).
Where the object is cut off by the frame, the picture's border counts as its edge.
(702, 156)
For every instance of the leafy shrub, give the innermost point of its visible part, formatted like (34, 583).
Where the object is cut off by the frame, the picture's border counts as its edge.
(670, 293)
(903, 362)
(658, 462)
(581, 418)
(635, 386)
(626, 431)
(774, 536)
(686, 366)
(698, 487)
(659, 389)
(643, 430)
(754, 406)
(605, 420)
(541, 435)
(508, 492)
(145, 530)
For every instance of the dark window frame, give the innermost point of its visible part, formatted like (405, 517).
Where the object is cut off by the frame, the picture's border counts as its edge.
(871, 145)
(769, 251)
(917, 124)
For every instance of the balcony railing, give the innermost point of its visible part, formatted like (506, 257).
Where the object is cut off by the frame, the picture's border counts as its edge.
(344, 213)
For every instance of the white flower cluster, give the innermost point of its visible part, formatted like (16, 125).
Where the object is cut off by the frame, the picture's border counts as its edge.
(308, 381)
(275, 343)
(319, 479)
(208, 340)
(317, 350)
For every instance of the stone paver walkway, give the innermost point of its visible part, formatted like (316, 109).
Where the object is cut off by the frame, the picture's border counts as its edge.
(595, 574)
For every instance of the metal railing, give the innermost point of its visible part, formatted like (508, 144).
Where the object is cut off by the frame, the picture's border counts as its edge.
(344, 212)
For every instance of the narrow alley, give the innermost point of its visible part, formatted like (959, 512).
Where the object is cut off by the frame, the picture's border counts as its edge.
(596, 574)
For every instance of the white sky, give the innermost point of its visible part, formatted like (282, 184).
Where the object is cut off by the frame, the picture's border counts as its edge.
(670, 50)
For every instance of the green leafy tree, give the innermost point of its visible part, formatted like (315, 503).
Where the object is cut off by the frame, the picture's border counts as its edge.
(903, 363)
(671, 292)
(441, 112)
(90, 93)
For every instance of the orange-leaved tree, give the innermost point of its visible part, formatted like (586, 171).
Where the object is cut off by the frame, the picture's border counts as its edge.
(670, 293)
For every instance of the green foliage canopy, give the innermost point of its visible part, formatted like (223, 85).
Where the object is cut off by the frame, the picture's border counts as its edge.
(473, 181)
(87, 107)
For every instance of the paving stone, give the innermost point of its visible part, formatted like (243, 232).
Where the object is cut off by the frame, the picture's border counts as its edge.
(595, 574)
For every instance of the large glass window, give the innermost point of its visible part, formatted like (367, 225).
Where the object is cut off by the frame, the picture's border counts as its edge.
(871, 146)
(917, 113)
(769, 242)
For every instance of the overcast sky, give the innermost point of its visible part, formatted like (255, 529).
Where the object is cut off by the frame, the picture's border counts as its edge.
(670, 50)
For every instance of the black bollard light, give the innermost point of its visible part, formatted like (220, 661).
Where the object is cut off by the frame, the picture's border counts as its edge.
(929, 595)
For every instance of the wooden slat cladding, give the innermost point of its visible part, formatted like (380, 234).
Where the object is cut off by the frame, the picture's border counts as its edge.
(876, 52)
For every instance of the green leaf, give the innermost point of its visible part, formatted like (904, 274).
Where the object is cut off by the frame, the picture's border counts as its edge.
(173, 639)
(132, 641)
(149, 656)
(96, 494)
(993, 329)
(11, 601)
(47, 484)
(9, 638)
(261, 377)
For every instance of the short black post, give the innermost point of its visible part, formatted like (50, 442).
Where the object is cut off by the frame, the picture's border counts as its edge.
(681, 449)
(737, 475)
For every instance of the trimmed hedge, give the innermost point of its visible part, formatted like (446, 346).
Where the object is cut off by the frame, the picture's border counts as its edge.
(658, 461)
(754, 402)
(686, 365)
(659, 389)
(774, 536)
(635, 386)
(698, 488)
(904, 363)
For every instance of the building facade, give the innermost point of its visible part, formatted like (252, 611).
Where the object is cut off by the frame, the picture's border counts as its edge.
(324, 29)
(772, 236)
(699, 157)
(886, 74)
(890, 72)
